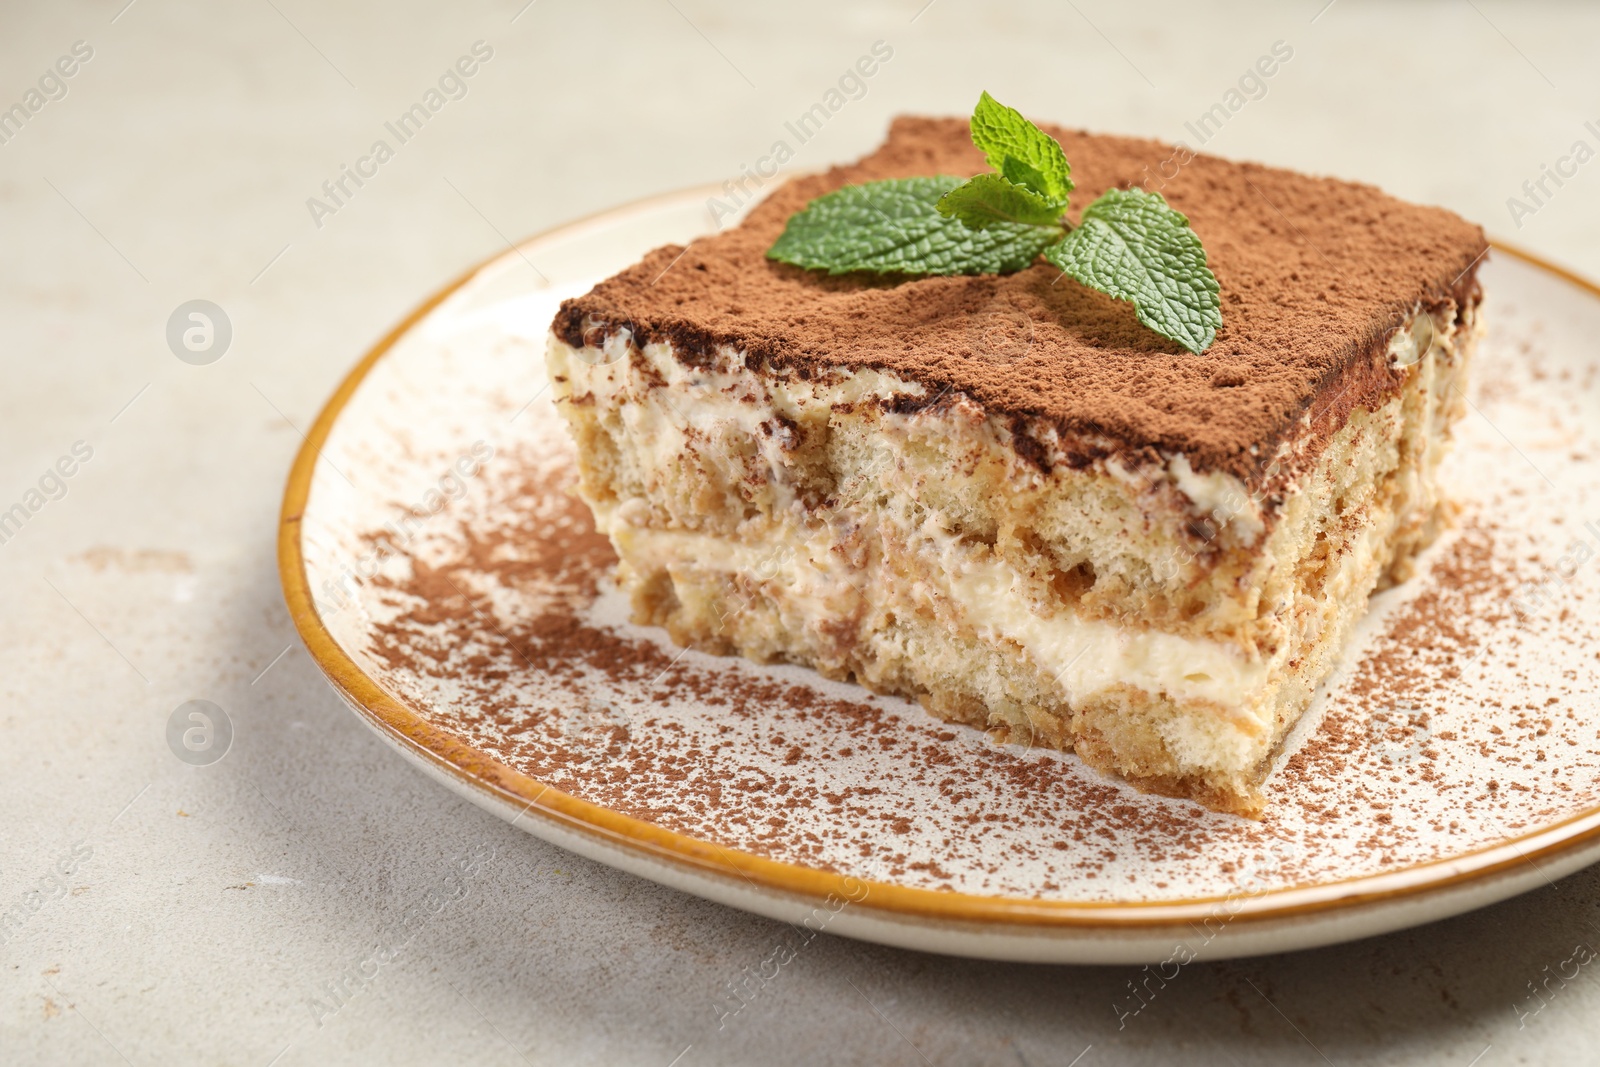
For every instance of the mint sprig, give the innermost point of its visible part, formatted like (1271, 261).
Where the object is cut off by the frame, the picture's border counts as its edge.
(1129, 243)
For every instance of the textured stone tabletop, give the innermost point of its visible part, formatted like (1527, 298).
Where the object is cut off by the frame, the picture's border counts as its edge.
(294, 902)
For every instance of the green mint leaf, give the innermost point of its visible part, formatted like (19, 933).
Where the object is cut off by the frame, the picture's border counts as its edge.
(982, 201)
(1134, 247)
(894, 227)
(1021, 151)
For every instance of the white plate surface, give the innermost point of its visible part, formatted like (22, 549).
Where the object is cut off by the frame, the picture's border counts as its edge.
(453, 590)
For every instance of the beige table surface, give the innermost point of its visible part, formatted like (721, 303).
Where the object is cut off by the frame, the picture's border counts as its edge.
(208, 909)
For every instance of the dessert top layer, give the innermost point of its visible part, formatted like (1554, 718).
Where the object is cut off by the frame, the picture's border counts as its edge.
(1315, 274)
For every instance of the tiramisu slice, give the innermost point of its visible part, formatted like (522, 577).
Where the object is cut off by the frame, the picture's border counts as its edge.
(1006, 497)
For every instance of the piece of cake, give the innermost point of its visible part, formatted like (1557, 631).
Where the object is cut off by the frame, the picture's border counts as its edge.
(1003, 495)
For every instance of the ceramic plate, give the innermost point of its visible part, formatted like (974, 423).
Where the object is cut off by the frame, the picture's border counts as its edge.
(457, 597)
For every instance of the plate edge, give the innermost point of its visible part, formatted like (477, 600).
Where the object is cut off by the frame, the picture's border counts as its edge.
(476, 770)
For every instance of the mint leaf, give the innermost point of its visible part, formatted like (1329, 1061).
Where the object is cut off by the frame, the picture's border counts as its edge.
(894, 227)
(982, 201)
(1022, 152)
(1134, 247)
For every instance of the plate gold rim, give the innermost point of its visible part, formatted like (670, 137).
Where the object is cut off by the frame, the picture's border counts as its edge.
(480, 771)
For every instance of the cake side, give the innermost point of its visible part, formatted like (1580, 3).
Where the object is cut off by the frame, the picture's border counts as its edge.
(1128, 608)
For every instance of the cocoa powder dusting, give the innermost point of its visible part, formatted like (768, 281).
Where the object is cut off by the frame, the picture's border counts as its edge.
(1315, 275)
(596, 732)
